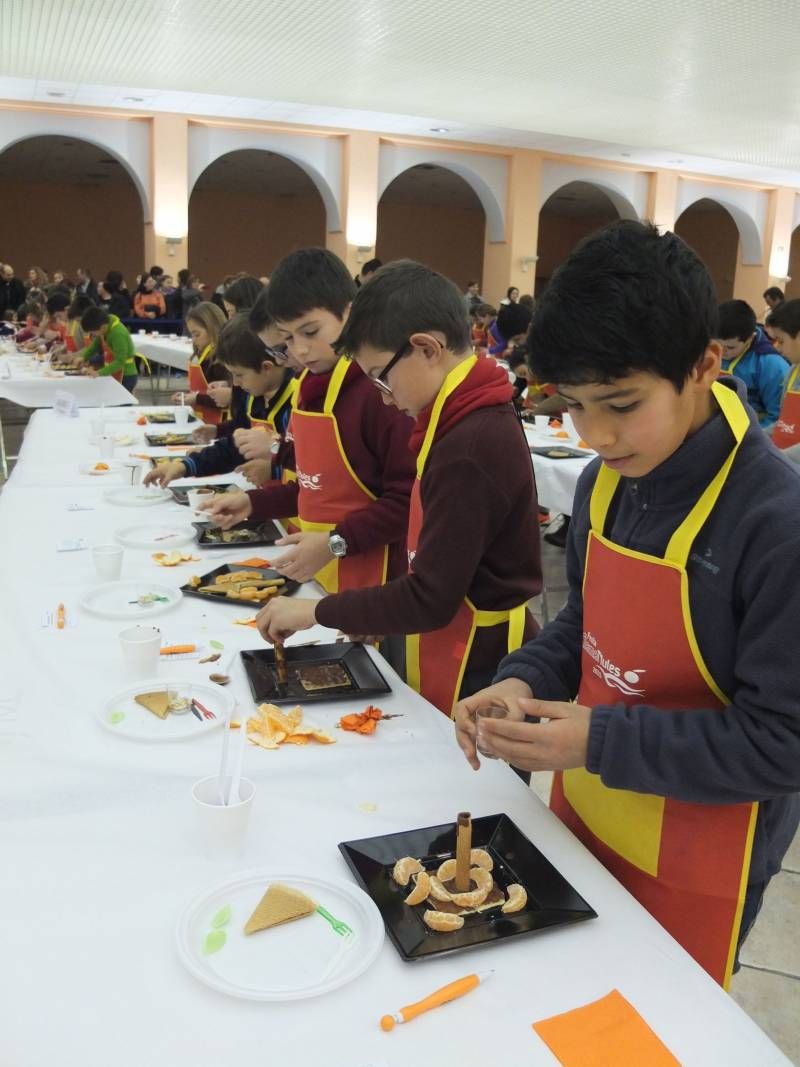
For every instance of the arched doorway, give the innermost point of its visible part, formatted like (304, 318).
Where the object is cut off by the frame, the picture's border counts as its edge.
(433, 215)
(792, 289)
(567, 216)
(711, 231)
(247, 210)
(66, 204)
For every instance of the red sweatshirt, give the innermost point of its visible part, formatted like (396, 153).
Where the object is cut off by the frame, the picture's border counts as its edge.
(375, 441)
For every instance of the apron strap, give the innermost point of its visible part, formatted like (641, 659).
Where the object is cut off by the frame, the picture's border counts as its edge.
(296, 396)
(335, 384)
(449, 385)
(792, 378)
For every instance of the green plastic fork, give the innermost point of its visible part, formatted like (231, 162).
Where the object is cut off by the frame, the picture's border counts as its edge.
(338, 927)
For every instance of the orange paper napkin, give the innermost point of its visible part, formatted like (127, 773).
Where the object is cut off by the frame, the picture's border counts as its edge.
(607, 1031)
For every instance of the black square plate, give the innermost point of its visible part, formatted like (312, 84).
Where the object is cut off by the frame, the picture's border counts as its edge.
(159, 461)
(228, 568)
(558, 452)
(364, 678)
(161, 440)
(159, 417)
(243, 535)
(180, 497)
(552, 901)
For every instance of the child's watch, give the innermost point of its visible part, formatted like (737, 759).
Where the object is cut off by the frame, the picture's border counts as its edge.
(337, 545)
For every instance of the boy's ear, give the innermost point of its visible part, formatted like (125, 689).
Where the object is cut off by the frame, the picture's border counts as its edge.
(709, 366)
(432, 346)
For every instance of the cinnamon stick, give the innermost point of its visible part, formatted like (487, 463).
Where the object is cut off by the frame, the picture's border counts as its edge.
(463, 847)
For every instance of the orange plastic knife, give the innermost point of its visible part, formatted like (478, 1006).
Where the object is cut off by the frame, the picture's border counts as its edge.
(441, 996)
(60, 617)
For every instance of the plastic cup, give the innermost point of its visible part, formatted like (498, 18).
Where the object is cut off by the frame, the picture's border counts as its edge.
(142, 333)
(221, 828)
(97, 429)
(173, 337)
(107, 562)
(498, 710)
(141, 650)
(133, 471)
(196, 497)
(105, 444)
(182, 415)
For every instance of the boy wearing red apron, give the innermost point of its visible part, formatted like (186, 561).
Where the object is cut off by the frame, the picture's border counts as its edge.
(353, 468)
(473, 549)
(784, 326)
(679, 762)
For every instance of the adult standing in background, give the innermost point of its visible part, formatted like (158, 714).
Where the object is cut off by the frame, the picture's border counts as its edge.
(773, 296)
(12, 290)
(189, 291)
(114, 299)
(37, 279)
(85, 285)
(472, 297)
(512, 295)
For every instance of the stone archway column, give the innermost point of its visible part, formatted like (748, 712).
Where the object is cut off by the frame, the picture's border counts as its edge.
(662, 199)
(166, 235)
(354, 243)
(513, 261)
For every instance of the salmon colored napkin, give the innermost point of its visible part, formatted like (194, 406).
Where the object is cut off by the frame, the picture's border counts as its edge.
(607, 1031)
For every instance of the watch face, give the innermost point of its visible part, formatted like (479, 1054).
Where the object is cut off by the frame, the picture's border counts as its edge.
(338, 545)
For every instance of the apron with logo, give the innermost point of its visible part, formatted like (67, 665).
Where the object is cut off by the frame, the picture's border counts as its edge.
(268, 425)
(198, 383)
(108, 357)
(787, 429)
(686, 863)
(436, 661)
(330, 490)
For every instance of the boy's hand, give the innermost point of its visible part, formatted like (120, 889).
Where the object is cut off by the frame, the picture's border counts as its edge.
(185, 398)
(165, 473)
(227, 509)
(557, 745)
(509, 691)
(309, 555)
(283, 616)
(220, 393)
(254, 444)
(256, 471)
(88, 371)
(202, 435)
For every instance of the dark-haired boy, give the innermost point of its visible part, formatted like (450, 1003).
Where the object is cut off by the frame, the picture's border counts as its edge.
(110, 352)
(354, 470)
(473, 549)
(679, 764)
(257, 442)
(748, 353)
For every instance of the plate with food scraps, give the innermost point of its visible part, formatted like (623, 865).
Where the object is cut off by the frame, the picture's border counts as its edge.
(244, 533)
(163, 440)
(547, 900)
(235, 584)
(557, 452)
(138, 496)
(130, 600)
(161, 535)
(313, 673)
(160, 710)
(179, 493)
(160, 417)
(101, 468)
(160, 461)
(292, 951)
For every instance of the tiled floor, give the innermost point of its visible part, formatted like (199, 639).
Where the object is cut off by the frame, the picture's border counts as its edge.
(768, 985)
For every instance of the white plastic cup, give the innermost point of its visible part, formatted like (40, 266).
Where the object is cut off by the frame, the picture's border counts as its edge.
(173, 337)
(142, 333)
(196, 497)
(541, 423)
(221, 828)
(107, 562)
(182, 415)
(497, 710)
(97, 429)
(105, 445)
(141, 650)
(133, 471)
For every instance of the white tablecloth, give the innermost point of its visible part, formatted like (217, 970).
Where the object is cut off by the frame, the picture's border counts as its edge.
(99, 857)
(168, 351)
(34, 386)
(556, 479)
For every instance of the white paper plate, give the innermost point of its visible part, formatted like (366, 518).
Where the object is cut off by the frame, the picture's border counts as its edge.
(161, 536)
(293, 961)
(112, 600)
(114, 467)
(137, 496)
(121, 715)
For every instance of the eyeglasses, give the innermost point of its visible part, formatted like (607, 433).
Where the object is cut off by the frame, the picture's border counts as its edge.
(279, 354)
(379, 381)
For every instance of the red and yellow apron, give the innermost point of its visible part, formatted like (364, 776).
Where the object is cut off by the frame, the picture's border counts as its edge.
(198, 383)
(686, 863)
(436, 661)
(787, 428)
(108, 357)
(330, 490)
(268, 425)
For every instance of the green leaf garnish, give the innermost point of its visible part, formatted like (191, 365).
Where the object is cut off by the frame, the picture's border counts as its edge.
(116, 717)
(222, 918)
(214, 941)
(216, 644)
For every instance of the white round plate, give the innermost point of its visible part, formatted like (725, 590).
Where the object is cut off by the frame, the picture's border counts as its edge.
(121, 715)
(295, 960)
(138, 496)
(114, 467)
(117, 600)
(155, 535)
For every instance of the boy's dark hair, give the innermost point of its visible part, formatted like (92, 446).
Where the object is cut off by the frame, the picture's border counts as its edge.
(307, 279)
(9, 315)
(526, 301)
(260, 316)
(401, 299)
(93, 318)
(80, 303)
(774, 293)
(736, 319)
(371, 266)
(113, 281)
(484, 309)
(513, 319)
(518, 356)
(626, 299)
(155, 272)
(243, 293)
(238, 345)
(57, 302)
(786, 316)
(30, 310)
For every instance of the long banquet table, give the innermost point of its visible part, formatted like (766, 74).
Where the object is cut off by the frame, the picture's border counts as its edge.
(99, 858)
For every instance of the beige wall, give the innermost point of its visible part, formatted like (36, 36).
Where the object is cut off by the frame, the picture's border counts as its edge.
(558, 235)
(714, 237)
(230, 232)
(68, 226)
(792, 288)
(449, 240)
